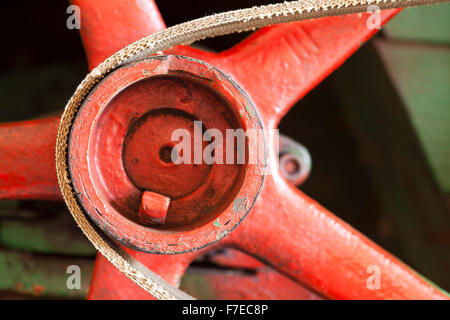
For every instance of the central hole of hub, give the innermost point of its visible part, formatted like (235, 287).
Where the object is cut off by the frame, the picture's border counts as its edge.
(165, 154)
(292, 166)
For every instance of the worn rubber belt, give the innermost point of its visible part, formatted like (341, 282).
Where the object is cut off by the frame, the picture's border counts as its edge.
(185, 33)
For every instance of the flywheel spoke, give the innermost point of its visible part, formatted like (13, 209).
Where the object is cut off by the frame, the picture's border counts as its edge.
(299, 237)
(108, 26)
(27, 166)
(279, 65)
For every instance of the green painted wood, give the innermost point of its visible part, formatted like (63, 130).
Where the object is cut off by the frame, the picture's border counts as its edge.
(55, 234)
(421, 24)
(421, 75)
(197, 285)
(42, 275)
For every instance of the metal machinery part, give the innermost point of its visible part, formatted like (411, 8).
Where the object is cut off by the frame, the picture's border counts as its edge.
(161, 95)
(294, 161)
(110, 161)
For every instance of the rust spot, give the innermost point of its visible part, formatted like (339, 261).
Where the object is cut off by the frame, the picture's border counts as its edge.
(19, 286)
(37, 289)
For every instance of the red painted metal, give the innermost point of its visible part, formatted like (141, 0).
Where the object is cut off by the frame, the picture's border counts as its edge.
(246, 278)
(310, 244)
(303, 239)
(291, 232)
(109, 283)
(279, 65)
(27, 166)
(102, 24)
(114, 154)
(265, 283)
(153, 208)
(259, 282)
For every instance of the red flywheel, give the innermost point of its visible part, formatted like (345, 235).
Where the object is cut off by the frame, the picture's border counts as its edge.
(166, 216)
